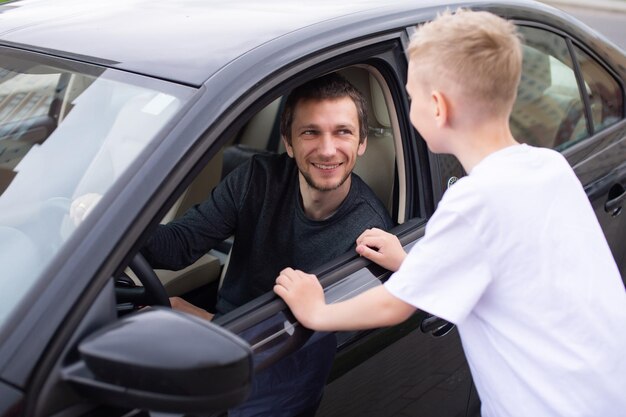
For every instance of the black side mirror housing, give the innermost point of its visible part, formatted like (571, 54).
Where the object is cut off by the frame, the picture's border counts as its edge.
(163, 360)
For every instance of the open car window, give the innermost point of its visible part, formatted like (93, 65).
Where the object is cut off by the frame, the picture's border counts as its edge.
(260, 135)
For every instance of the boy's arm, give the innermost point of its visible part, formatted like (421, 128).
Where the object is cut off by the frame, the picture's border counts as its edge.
(305, 297)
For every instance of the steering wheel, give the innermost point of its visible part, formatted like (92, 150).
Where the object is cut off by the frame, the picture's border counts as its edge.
(152, 293)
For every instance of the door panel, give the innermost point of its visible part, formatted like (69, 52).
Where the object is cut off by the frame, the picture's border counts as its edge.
(400, 370)
(417, 375)
(608, 198)
(603, 172)
(11, 400)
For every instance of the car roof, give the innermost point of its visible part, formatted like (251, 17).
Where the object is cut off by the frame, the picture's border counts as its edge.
(185, 41)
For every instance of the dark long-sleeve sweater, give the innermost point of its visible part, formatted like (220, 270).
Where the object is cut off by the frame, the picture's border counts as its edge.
(259, 203)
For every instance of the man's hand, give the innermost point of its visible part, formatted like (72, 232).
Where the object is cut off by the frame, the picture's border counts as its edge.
(303, 294)
(381, 247)
(186, 307)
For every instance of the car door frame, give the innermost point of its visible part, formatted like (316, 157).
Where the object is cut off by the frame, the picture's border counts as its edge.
(360, 346)
(382, 49)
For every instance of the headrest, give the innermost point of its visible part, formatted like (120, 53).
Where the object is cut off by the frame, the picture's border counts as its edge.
(381, 114)
(536, 76)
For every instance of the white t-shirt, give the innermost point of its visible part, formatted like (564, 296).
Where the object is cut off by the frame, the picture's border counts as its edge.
(515, 257)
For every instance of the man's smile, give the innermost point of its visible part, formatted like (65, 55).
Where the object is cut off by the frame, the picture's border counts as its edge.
(326, 166)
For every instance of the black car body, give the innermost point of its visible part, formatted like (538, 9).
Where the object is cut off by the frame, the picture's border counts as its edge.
(66, 346)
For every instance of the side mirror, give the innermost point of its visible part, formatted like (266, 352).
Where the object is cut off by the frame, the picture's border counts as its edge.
(163, 360)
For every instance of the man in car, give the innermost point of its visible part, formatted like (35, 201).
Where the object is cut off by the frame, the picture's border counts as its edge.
(299, 209)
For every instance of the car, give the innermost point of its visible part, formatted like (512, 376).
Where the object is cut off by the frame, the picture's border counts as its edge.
(150, 103)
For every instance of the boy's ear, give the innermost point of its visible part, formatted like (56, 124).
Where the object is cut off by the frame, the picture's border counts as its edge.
(288, 147)
(440, 108)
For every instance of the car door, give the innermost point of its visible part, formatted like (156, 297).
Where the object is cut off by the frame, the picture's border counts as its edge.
(367, 376)
(606, 167)
(571, 101)
(417, 367)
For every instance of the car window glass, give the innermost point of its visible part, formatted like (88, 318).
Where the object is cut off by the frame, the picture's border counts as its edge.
(548, 111)
(65, 134)
(604, 93)
(24, 96)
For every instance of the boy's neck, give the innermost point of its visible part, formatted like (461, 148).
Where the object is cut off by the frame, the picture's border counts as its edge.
(474, 145)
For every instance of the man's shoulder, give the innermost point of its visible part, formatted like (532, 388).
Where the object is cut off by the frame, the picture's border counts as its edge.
(365, 195)
(258, 164)
(272, 162)
(362, 187)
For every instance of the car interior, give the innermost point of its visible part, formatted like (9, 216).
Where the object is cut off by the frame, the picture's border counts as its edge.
(51, 98)
(548, 111)
(16, 139)
(381, 167)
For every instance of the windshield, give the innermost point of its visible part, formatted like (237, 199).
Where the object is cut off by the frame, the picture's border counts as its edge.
(67, 133)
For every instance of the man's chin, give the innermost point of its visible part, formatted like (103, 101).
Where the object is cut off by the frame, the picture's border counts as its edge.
(325, 186)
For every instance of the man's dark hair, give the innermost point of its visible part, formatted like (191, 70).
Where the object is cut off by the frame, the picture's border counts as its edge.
(330, 86)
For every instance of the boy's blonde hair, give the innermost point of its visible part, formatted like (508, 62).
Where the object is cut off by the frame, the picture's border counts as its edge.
(477, 55)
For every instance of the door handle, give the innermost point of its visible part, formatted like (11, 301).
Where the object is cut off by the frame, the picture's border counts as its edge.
(436, 326)
(614, 205)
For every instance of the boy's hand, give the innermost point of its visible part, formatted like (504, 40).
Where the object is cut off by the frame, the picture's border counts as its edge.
(303, 294)
(381, 247)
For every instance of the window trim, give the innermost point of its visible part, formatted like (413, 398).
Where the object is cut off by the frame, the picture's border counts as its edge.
(580, 80)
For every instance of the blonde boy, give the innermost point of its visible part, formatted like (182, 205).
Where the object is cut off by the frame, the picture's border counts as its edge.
(513, 255)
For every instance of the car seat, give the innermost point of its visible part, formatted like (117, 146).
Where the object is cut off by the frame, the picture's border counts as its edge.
(541, 115)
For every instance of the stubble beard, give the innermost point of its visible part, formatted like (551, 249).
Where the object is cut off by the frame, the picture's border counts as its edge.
(317, 187)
